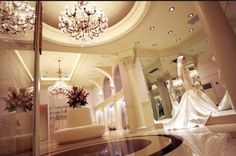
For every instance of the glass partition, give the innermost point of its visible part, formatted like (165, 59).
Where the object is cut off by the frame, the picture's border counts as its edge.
(166, 88)
(153, 72)
(17, 78)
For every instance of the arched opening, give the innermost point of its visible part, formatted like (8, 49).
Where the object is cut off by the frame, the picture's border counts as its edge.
(106, 88)
(117, 79)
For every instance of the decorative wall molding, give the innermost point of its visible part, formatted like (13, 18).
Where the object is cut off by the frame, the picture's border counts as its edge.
(115, 32)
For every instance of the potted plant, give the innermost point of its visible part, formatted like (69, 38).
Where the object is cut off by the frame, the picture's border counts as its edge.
(77, 97)
(19, 99)
(78, 115)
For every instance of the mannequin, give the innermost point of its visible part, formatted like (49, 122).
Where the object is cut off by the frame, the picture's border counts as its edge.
(195, 106)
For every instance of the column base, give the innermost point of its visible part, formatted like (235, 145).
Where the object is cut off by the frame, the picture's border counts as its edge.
(141, 127)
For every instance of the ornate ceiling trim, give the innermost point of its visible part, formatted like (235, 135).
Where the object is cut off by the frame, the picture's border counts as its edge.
(127, 24)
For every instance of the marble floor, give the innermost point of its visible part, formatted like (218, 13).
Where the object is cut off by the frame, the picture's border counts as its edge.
(215, 140)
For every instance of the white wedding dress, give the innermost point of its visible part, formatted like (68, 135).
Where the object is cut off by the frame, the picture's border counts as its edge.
(225, 103)
(195, 106)
(204, 142)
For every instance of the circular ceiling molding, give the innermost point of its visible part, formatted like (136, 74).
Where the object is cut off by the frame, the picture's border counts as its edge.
(119, 27)
(114, 14)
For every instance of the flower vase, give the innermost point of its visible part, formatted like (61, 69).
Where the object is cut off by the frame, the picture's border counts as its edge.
(78, 116)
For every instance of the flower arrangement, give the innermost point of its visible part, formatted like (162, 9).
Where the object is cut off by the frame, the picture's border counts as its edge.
(197, 85)
(77, 97)
(19, 99)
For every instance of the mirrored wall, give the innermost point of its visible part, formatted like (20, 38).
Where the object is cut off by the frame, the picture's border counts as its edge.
(166, 88)
(17, 79)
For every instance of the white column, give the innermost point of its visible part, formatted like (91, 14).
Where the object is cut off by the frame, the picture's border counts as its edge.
(105, 118)
(117, 116)
(222, 41)
(128, 63)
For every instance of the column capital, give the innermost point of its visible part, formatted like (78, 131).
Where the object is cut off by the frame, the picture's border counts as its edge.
(128, 62)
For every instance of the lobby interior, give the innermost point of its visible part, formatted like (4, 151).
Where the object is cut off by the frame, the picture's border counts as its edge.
(129, 71)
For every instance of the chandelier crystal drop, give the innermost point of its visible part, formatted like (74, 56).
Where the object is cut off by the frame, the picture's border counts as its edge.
(60, 88)
(16, 17)
(83, 22)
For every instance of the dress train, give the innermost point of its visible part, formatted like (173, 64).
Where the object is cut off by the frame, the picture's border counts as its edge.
(225, 103)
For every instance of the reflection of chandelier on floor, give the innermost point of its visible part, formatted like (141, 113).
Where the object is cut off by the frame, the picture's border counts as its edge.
(83, 22)
(16, 16)
(60, 88)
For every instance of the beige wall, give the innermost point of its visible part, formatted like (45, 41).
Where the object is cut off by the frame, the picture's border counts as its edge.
(208, 72)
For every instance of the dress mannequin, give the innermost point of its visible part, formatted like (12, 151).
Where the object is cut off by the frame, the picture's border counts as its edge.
(195, 106)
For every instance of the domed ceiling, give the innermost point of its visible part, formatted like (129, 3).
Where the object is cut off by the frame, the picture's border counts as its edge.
(149, 35)
(123, 16)
(114, 14)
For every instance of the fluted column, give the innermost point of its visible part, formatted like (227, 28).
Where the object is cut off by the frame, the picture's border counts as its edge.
(222, 41)
(128, 63)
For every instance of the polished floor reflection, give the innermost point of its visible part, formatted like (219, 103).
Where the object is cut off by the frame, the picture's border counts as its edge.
(123, 147)
(217, 140)
(140, 145)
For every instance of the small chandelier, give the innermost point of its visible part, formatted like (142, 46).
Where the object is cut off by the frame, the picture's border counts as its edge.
(16, 17)
(83, 22)
(60, 88)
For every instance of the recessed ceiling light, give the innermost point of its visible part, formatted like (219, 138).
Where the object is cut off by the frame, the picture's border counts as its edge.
(190, 15)
(137, 42)
(171, 9)
(170, 32)
(178, 39)
(152, 28)
(190, 30)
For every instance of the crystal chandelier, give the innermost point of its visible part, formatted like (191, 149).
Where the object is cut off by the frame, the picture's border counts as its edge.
(60, 88)
(16, 17)
(83, 22)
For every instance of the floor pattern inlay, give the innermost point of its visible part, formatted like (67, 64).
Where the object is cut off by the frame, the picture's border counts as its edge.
(154, 145)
